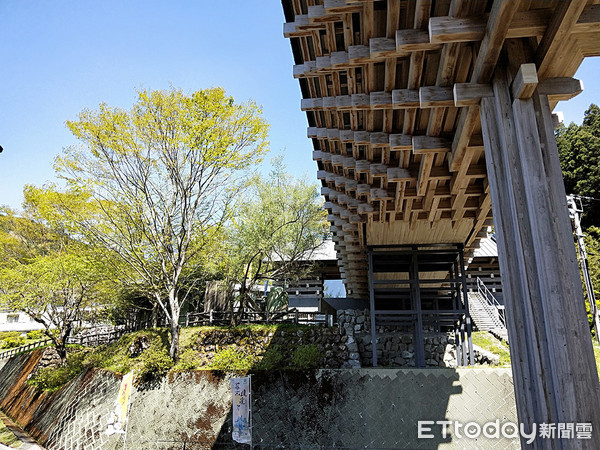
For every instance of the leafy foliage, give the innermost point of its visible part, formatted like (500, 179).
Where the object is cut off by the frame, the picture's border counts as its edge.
(11, 339)
(56, 280)
(592, 246)
(272, 359)
(307, 356)
(152, 185)
(233, 359)
(579, 151)
(274, 232)
(53, 378)
(36, 335)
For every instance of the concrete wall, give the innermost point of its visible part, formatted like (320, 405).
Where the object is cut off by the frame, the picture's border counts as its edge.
(361, 408)
(17, 321)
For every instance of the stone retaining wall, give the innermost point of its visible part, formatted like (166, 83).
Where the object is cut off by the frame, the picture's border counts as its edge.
(396, 349)
(364, 408)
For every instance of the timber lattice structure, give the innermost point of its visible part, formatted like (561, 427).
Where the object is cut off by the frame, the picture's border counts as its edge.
(391, 91)
(428, 115)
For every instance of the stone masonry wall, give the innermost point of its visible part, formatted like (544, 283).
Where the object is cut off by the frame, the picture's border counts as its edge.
(356, 408)
(396, 349)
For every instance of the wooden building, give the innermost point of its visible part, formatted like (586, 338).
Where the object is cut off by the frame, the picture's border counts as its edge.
(428, 115)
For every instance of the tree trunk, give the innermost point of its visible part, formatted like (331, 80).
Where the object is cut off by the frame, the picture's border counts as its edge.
(155, 315)
(175, 329)
(236, 317)
(60, 343)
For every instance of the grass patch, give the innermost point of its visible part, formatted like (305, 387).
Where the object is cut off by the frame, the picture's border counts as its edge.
(490, 343)
(597, 355)
(13, 339)
(152, 361)
(7, 437)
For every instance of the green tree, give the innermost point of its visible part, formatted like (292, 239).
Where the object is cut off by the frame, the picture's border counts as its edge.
(592, 247)
(274, 231)
(579, 151)
(157, 181)
(51, 277)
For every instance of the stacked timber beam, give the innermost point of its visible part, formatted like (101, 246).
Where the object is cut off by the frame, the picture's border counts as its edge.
(392, 90)
(421, 113)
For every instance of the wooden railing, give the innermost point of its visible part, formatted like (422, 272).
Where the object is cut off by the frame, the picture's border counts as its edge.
(15, 351)
(192, 319)
(292, 317)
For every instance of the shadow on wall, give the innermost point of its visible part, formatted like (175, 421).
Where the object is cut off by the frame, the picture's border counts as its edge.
(364, 408)
(330, 408)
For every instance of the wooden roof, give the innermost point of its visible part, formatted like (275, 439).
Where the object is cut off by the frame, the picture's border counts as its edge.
(391, 92)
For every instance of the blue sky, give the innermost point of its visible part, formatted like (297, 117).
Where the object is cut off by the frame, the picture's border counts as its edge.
(59, 57)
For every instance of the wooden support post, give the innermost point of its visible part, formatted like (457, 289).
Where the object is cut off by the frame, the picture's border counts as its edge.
(465, 295)
(418, 340)
(372, 308)
(554, 371)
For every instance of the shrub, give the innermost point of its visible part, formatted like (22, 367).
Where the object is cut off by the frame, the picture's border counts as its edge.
(36, 335)
(155, 363)
(188, 360)
(11, 339)
(232, 359)
(272, 359)
(53, 378)
(307, 356)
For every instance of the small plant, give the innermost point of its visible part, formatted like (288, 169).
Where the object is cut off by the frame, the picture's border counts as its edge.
(53, 378)
(36, 335)
(307, 356)
(155, 363)
(11, 339)
(232, 359)
(188, 360)
(272, 359)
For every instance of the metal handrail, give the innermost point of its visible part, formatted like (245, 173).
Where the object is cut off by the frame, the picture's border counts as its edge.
(492, 305)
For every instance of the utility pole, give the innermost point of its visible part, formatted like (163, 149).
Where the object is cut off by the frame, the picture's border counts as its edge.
(575, 211)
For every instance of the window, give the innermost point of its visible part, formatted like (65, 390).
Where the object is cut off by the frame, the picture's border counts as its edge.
(12, 318)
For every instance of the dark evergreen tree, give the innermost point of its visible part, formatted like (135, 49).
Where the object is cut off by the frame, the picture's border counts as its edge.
(579, 151)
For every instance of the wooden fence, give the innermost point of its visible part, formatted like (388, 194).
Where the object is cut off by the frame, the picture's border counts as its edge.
(290, 317)
(14, 351)
(192, 319)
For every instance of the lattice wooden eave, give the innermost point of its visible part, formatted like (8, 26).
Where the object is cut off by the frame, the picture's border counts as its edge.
(391, 91)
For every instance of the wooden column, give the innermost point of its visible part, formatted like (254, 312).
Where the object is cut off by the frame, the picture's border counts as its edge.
(372, 308)
(554, 370)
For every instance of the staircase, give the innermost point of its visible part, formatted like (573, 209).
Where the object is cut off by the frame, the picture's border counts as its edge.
(482, 314)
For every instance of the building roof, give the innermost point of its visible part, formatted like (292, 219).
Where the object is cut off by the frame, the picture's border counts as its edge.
(392, 91)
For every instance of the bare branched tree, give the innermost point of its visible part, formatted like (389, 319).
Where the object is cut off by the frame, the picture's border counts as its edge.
(158, 180)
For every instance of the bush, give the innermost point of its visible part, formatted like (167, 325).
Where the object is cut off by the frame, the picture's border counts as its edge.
(272, 359)
(36, 335)
(155, 363)
(53, 378)
(232, 359)
(11, 339)
(188, 360)
(307, 356)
